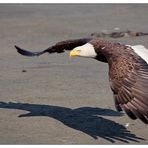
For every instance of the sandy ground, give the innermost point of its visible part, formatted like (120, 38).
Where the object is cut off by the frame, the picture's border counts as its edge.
(61, 100)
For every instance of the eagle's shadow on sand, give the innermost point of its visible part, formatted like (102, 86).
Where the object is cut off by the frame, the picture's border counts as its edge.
(88, 120)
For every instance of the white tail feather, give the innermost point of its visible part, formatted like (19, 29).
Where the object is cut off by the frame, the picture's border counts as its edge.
(141, 51)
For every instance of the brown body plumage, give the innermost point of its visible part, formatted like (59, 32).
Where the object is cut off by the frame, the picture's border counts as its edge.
(128, 73)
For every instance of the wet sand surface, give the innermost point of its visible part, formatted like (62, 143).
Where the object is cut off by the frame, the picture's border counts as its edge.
(53, 99)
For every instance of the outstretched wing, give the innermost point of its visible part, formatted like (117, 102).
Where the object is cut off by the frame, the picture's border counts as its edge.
(57, 48)
(131, 90)
(28, 53)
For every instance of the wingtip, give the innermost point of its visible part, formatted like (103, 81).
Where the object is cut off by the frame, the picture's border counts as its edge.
(22, 51)
(16, 47)
(26, 52)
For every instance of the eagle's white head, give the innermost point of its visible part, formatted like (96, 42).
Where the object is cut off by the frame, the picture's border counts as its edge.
(87, 50)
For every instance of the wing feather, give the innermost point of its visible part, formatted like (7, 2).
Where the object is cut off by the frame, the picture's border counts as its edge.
(129, 112)
(132, 91)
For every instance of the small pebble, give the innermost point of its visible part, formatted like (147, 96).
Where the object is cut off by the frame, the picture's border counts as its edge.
(116, 28)
(24, 70)
(127, 125)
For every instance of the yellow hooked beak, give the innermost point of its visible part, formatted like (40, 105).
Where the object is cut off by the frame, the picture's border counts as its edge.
(74, 53)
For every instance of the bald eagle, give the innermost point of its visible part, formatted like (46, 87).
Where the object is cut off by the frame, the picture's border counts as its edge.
(128, 70)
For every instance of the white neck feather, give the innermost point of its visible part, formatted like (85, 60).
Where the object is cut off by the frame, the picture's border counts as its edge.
(87, 50)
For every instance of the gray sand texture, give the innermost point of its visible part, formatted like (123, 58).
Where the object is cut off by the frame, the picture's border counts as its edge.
(53, 99)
